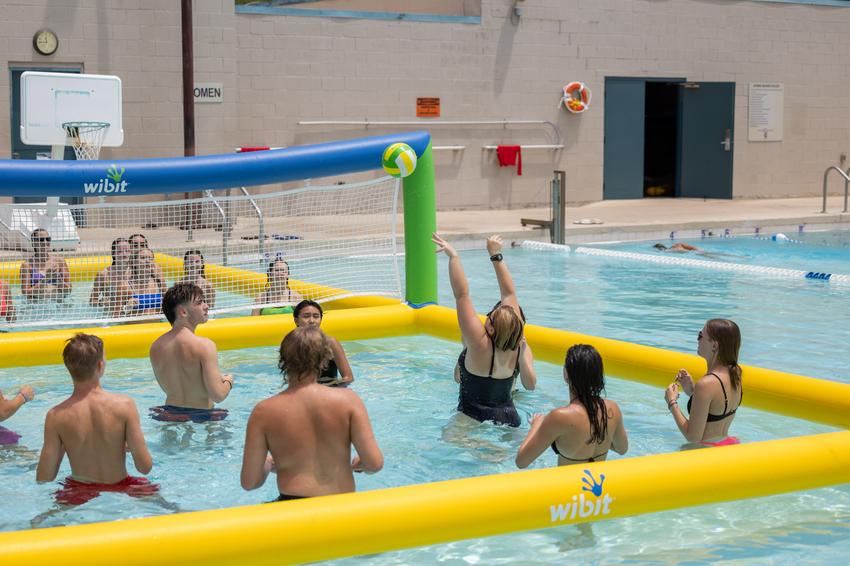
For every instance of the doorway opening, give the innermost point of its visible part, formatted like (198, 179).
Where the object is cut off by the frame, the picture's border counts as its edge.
(661, 139)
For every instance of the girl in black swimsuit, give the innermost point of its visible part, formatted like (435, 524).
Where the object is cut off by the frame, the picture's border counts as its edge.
(718, 344)
(337, 372)
(587, 428)
(497, 344)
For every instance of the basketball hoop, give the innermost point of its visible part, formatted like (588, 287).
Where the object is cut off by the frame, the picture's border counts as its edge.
(86, 137)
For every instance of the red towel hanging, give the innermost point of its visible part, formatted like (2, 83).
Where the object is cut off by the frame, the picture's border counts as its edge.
(510, 155)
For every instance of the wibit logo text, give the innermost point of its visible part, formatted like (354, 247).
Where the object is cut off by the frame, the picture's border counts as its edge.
(584, 506)
(112, 183)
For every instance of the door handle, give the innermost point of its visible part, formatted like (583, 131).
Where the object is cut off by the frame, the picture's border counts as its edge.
(727, 140)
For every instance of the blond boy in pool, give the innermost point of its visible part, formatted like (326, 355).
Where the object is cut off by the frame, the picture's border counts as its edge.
(96, 429)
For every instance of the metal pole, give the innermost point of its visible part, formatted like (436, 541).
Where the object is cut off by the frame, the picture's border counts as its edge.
(188, 104)
(846, 186)
(557, 228)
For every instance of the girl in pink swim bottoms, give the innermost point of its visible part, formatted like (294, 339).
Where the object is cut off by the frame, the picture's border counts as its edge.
(715, 398)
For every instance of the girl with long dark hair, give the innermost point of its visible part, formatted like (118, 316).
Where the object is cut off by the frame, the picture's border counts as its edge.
(588, 427)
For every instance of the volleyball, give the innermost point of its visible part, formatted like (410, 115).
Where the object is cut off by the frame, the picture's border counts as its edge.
(399, 160)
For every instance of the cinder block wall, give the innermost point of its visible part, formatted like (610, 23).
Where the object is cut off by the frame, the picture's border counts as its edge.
(277, 70)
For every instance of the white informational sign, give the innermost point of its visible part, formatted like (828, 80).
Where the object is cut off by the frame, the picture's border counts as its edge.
(209, 92)
(766, 112)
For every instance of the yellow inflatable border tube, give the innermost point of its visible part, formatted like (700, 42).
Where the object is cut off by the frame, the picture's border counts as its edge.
(19, 349)
(390, 519)
(816, 400)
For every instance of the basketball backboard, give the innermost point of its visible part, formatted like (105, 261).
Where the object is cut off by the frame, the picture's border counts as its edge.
(50, 99)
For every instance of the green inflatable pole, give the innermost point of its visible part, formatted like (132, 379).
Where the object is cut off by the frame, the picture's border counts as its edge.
(420, 221)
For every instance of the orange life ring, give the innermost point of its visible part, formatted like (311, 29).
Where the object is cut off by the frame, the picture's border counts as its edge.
(576, 97)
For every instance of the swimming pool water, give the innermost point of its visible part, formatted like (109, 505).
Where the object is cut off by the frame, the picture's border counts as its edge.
(798, 326)
(823, 252)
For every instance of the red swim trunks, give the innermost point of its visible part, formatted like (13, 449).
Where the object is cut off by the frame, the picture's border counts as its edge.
(75, 492)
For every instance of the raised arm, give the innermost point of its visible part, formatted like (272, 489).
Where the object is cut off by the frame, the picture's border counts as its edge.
(470, 326)
(136, 440)
(341, 361)
(527, 373)
(218, 385)
(255, 464)
(369, 458)
(51, 453)
(543, 432)
(507, 291)
(692, 427)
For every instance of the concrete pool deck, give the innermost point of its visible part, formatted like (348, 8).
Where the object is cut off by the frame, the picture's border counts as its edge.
(651, 219)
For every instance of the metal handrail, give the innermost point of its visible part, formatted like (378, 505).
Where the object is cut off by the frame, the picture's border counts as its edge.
(262, 234)
(846, 184)
(225, 229)
(429, 123)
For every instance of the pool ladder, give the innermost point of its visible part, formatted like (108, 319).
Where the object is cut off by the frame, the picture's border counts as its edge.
(844, 174)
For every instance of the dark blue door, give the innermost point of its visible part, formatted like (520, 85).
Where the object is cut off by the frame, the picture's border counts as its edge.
(625, 136)
(622, 173)
(707, 130)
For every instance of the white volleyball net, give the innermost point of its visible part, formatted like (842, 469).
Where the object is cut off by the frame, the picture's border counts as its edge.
(334, 241)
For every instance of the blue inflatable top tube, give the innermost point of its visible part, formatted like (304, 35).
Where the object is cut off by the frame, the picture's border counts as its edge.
(186, 174)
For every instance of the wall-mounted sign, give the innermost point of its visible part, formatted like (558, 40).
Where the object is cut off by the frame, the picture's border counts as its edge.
(209, 92)
(766, 112)
(427, 107)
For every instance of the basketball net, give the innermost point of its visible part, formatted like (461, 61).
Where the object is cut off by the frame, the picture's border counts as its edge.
(86, 138)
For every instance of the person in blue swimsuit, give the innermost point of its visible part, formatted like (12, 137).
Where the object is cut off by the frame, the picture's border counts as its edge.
(493, 350)
(715, 398)
(337, 372)
(588, 427)
(142, 292)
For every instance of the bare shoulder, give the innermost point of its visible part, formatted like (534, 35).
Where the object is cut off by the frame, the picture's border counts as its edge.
(613, 409)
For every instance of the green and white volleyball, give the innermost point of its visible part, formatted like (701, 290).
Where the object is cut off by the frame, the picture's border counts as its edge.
(399, 160)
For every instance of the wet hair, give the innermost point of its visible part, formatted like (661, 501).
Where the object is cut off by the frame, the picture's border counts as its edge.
(200, 255)
(303, 353)
(115, 243)
(36, 231)
(180, 294)
(81, 355)
(585, 374)
(499, 303)
(660, 247)
(507, 328)
(142, 236)
(271, 266)
(304, 304)
(728, 337)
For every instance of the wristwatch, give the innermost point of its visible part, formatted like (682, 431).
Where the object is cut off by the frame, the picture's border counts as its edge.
(496, 257)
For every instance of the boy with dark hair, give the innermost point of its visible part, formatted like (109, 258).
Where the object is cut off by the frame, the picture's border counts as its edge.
(186, 365)
(95, 428)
